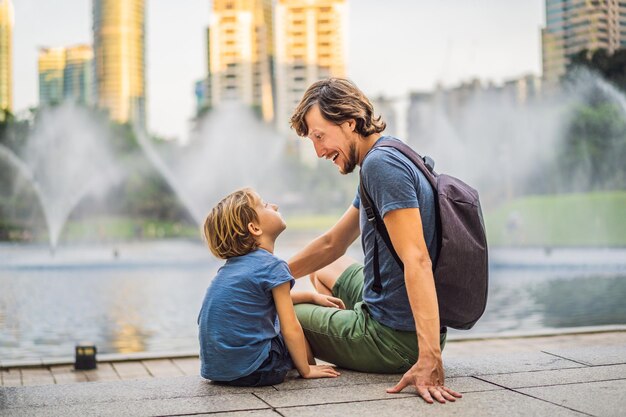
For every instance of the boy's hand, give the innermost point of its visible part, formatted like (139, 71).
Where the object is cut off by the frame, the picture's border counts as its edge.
(328, 301)
(321, 371)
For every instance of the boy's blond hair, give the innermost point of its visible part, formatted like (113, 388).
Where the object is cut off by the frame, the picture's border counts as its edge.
(226, 226)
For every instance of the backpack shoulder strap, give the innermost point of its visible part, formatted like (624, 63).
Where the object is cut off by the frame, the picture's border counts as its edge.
(373, 216)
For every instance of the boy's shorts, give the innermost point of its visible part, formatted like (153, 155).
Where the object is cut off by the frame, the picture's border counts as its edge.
(351, 338)
(272, 371)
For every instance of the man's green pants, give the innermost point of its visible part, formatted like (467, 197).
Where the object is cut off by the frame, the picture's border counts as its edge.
(351, 338)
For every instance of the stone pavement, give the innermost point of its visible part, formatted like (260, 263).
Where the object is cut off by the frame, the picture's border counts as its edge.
(566, 375)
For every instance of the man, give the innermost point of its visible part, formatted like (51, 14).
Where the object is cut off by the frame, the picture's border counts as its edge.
(378, 331)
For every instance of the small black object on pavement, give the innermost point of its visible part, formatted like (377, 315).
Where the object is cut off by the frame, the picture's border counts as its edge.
(85, 356)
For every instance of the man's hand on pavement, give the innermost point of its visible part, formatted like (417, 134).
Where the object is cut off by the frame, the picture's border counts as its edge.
(428, 378)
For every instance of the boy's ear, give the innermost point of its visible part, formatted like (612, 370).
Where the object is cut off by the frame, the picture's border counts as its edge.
(254, 229)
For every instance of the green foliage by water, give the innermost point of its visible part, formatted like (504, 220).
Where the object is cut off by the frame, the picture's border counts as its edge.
(583, 219)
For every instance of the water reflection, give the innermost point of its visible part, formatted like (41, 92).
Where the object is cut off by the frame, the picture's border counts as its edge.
(594, 300)
(148, 299)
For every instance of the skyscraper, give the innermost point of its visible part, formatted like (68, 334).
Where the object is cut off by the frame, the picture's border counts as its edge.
(78, 74)
(119, 54)
(51, 65)
(575, 25)
(66, 74)
(240, 54)
(310, 45)
(6, 55)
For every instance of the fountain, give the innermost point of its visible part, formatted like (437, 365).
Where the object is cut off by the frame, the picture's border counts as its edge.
(230, 149)
(65, 159)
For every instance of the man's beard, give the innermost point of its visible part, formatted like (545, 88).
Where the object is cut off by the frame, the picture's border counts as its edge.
(351, 162)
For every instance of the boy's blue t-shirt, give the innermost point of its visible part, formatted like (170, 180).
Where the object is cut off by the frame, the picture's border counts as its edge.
(393, 182)
(238, 318)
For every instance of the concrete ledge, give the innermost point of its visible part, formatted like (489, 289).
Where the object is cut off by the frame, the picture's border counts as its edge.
(139, 356)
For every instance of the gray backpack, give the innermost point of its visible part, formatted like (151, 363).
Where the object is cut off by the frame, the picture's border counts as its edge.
(460, 270)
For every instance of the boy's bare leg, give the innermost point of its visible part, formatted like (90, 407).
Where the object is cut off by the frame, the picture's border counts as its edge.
(319, 287)
(324, 279)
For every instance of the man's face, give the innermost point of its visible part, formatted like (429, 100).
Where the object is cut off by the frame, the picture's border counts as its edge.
(336, 143)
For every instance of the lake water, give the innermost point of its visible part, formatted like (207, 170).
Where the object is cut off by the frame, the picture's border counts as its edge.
(145, 297)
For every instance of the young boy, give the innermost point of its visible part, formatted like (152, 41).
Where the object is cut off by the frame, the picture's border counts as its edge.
(241, 342)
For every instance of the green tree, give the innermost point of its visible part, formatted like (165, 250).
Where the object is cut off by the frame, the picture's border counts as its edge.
(611, 67)
(594, 150)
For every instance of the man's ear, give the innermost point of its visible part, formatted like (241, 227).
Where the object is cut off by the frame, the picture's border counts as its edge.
(351, 124)
(254, 229)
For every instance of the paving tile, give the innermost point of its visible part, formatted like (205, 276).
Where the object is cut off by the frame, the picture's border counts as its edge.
(66, 374)
(254, 413)
(131, 370)
(491, 403)
(36, 376)
(599, 355)
(603, 398)
(294, 381)
(11, 378)
(582, 340)
(558, 377)
(162, 368)
(466, 348)
(120, 391)
(327, 395)
(189, 366)
(104, 372)
(351, 378)
(151, 407)
(505, 363)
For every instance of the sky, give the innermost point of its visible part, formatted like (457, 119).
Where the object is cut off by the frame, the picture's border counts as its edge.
(394, 47)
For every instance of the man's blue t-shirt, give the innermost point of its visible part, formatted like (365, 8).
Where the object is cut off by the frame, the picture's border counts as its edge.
(393, 182)
(238, 318)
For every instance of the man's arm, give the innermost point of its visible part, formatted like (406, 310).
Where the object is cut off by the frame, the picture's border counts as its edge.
(327, 248)
(427, 375)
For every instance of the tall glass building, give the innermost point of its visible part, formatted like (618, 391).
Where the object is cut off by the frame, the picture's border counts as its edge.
(119, 55)
(576, 25)
(240, 54)
(310, 45)
(51, 65)
(78, 74)
(66, 74)
(6, 55)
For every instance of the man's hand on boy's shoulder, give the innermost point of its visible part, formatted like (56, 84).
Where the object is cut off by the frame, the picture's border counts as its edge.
(328, 301)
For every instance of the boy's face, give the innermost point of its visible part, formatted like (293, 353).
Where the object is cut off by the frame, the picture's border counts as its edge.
(270, 219)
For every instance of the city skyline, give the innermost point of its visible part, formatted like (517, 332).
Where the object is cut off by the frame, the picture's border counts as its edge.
(451, 42)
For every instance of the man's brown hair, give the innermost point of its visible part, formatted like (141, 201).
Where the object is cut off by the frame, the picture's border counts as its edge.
(226, 226)
(339, 100)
